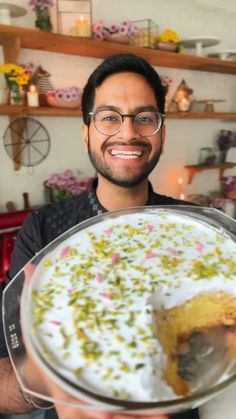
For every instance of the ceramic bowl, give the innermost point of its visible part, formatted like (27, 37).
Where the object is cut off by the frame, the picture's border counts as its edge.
(65, 98)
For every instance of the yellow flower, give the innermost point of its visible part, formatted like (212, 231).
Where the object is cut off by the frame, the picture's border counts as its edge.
(168, 35)
(14, 73)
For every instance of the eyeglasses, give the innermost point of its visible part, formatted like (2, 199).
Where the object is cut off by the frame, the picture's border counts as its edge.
(109, 122)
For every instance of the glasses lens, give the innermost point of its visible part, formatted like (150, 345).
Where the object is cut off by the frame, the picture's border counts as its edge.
(107, 121)
(147, 123)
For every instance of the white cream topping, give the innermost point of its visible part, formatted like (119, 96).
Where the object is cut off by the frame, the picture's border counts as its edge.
(95, 295)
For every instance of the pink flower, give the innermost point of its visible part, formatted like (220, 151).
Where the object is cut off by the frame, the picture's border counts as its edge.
(41, 4)
(69, 181)
(114, 28)
(166, 80)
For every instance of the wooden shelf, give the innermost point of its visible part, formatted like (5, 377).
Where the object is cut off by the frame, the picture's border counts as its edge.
(13, 38)
(40, 111)
(51, 111)
(196, 168)
(201, 115)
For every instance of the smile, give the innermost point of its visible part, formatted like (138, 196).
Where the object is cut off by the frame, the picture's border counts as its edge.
(126, 154)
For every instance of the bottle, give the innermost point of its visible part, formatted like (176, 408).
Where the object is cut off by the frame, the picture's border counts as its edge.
(224, 141)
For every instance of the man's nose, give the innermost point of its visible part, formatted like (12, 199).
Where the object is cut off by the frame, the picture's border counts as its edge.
(127, 129)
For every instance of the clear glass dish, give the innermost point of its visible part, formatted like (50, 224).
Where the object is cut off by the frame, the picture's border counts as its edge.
(207, 371)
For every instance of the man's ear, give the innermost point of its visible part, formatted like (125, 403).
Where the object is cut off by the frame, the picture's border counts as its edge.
(85, 138)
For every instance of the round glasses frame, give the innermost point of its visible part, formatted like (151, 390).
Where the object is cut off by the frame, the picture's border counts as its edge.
(161, 116)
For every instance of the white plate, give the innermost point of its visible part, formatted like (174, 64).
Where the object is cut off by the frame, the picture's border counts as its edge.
(226, 54)
(200, 42)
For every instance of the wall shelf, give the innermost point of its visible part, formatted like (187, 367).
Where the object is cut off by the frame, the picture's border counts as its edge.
(51, 111)
(38, 111)
(13, 38)
(197, 168)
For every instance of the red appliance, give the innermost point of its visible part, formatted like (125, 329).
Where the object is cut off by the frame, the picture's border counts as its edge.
(10, 223)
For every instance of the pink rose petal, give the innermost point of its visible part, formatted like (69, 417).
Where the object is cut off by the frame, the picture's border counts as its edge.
(99, 278)
(173, 252)
(107, 295)
(150, 255)
(55, 322)
(107, 232)
(115, 258)
(65, 251)
(150, 227)
(199, 247)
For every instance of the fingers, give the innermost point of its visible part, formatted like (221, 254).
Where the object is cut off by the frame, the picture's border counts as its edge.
(28, 271)
(130, 416)
(65, 412)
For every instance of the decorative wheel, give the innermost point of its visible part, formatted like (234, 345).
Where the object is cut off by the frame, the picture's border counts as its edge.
(26, 141)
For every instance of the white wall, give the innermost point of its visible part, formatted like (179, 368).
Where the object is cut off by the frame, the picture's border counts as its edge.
(184, 137)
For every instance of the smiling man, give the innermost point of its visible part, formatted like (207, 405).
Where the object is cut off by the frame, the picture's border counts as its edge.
(123, 132)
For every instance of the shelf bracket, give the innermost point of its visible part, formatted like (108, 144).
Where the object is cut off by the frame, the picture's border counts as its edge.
(11, 48)
(193, 169)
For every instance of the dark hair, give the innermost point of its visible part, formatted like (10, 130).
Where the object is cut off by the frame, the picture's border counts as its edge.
(116, 64)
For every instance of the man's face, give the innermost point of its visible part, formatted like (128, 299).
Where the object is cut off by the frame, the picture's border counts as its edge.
(126, 158)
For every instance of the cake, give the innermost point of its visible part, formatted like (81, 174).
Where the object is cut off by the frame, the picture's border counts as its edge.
(120, 306)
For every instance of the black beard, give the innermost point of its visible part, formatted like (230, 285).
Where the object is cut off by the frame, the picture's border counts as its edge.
(106, 171)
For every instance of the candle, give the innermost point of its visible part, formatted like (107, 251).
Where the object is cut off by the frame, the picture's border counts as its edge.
(33, 96)
(182, 196)
(184, 104)
(180, 191)
(83, 27)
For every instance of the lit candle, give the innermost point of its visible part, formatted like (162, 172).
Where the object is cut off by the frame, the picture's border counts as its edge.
(83, 27)
(180, 189)
(33, 96)
(184, 104)
(182, 196)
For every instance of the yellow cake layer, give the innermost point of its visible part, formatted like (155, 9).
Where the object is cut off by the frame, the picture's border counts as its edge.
(175, 325)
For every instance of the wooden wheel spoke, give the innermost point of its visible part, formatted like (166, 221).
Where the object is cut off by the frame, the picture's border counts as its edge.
(12, 144)
(18, 134)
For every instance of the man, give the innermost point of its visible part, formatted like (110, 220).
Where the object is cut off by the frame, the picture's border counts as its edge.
(124, 134)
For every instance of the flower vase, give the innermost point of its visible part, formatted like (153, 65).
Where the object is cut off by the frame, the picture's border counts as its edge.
(224, 141)
(43, 19)
(16, 95)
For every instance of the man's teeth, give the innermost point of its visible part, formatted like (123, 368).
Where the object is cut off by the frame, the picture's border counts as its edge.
(126, 154)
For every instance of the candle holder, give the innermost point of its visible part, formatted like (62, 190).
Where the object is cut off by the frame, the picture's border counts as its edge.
(74, 17)
(146, 35)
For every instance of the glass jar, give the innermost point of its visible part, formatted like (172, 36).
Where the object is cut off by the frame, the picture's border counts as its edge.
(17, 95)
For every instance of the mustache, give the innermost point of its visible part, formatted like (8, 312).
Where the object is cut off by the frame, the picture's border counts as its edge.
(139, 143)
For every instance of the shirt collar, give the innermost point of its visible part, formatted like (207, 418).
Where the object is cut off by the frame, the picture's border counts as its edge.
(95, 206)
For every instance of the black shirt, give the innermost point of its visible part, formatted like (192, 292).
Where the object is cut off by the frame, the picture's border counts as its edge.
(47, 223)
